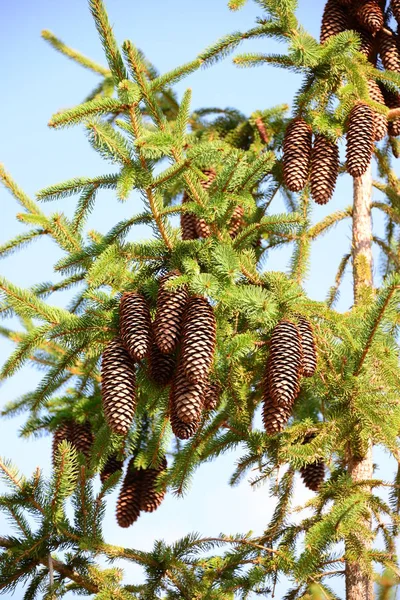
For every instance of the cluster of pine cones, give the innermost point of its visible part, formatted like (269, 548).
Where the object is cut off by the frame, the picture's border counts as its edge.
(193, 228)
(179, 347)
(319, 161)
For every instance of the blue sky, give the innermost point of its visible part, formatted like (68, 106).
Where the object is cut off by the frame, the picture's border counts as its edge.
(37, 82)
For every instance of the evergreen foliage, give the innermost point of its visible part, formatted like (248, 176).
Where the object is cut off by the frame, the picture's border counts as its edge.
(158, 147)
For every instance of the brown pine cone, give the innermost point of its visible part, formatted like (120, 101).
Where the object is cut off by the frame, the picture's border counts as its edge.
(346, 2)
(308, 347)
(387, 44)
(162, 366)
(367, 46)
(198, 339)
(395, 5)
(335, 19)
(312, 474)
(360, 139)
(128, 503)
(171, 305)
(118, 387)
(181, 429)
(284, 365)
(202, 229)
(369, 15)
(135, 325)
(381, 124)
(274, 417)
(297, 154)
(111, 466)
(150, 498)
(212, 395)
(187, 398)
(324, 169)
(82, 437)
(392, 100)
(188, 222)
(61, 434)
(236, 222)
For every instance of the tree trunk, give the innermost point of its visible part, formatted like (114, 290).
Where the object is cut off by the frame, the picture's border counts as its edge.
(358, 585)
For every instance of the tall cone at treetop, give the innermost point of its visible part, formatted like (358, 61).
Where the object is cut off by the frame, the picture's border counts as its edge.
(118, 387)
(171, 305)
(198, 339)
(297, 154)
(135, 325)
(284, 365)
(128, 503)
(324, 169)
(360, 139)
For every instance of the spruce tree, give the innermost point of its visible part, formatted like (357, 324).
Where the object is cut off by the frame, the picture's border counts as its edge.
(231, 338)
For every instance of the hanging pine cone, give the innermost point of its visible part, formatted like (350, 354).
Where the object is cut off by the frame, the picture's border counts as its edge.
(236, 222)
(369, 15)
(186, 397)
(118, 387)
(198, 339)
(312, 474)
(135, 325)
(381, 124)
(181, 429)
(128, 503)
(389, 51)
(202, 229)
(212, 395)
(61, 434)
(274, 417)
(284, 365)
(150, 498)
(335, 20)
(169, 314)
(360, 139)
(111, 466)
(308, 347)
(395, 5)
(162, 366)
(324, 169)
(367, 46)
(297, 154)
(188, 222)
(392, 100)
(82, 437)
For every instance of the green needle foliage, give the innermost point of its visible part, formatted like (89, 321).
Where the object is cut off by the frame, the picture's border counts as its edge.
(157, 148)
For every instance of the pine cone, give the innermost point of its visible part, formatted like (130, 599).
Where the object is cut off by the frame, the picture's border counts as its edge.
(360, 139)
(112, 466)
(162, 366)
(186, 397)
(135, 325)
(312, 474)
(381, 124)
(236, 221)
(308, 347)
(392, 100)
(389, 51)
(118, 387)
(347, 2)
(82, 437)
(284, 365)
(367, 46)
(369, 15)
(188, 222)
(324, 169)
(169, 314)
(150, 498)
(212, 395)
(335, 19)
(297, 154)
(395, 4)
(198, 339)
(181, 429)
(128, 503)
(61, 434)
(202, 229)
(274, 417)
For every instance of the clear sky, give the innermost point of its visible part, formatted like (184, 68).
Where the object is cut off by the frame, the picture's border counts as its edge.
(37, 82)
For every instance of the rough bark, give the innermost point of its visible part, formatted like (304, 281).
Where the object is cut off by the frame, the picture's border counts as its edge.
(358, 585)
